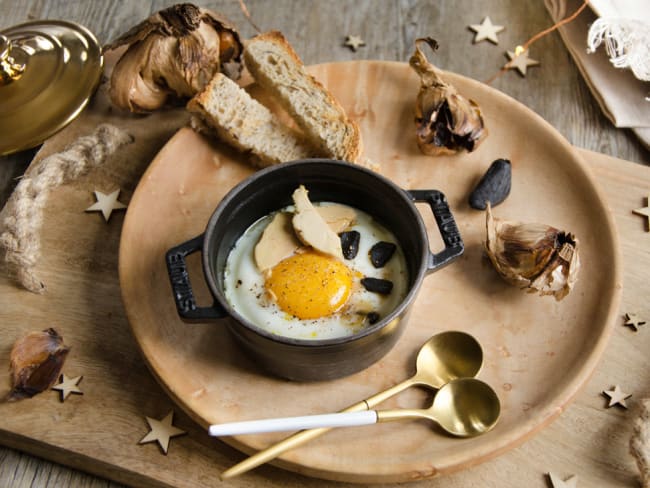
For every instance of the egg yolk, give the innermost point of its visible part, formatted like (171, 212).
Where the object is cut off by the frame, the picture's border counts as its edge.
(310, 285)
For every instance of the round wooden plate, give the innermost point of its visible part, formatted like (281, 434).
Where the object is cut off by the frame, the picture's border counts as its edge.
(538, 352)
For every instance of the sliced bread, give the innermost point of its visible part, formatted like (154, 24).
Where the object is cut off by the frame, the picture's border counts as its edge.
(277, 68)
(243, 122)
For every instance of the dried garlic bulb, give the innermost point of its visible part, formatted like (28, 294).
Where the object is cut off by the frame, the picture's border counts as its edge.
(536, 257)
(446, 121)
(176, 52)
(35, 363)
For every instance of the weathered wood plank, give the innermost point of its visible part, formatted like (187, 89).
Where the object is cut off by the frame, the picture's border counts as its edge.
(556, 90)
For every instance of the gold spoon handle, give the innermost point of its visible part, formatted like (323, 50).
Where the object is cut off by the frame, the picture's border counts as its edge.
(380, 397)
(304, 436)
(405, 413)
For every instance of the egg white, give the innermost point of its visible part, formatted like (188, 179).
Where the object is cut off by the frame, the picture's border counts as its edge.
(245, 291)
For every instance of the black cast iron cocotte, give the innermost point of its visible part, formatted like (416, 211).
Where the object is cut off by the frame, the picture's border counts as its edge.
(270, 189)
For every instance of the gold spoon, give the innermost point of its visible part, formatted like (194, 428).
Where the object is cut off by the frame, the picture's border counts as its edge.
(442, 358)
(463, 407)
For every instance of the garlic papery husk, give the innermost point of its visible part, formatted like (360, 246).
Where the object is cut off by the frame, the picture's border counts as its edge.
(537, 257)
(35, 363)
(446, 121)
(175, 52)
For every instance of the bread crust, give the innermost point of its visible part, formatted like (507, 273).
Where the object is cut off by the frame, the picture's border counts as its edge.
(270, 59)
(245, 124)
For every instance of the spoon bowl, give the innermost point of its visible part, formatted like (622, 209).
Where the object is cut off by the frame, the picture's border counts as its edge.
(447, 356)
(464, 407)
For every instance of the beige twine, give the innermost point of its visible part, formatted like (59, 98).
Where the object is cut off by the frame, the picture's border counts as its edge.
(24, 210)
(640, 442)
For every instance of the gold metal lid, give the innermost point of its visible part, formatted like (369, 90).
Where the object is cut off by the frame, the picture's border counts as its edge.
(48, 71)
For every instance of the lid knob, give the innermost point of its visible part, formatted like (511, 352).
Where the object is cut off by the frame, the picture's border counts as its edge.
(10, 69)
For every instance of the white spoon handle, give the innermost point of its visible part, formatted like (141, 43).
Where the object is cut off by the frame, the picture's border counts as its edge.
(348, 419)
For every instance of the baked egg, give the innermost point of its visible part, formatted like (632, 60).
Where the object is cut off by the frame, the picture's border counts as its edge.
(309, 294)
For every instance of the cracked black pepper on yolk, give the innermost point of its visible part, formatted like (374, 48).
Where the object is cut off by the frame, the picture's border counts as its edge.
(310, 285)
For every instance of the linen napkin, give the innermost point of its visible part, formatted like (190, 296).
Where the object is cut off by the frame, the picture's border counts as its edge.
(624, 99)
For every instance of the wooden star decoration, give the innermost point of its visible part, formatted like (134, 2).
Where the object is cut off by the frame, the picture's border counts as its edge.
(571, 482)
(354, 42)
(106, 204)
(645, 212)
(633, 321)
(486, 31)
(617, 397)
(67, 386)
(520, 61)
(162, 431)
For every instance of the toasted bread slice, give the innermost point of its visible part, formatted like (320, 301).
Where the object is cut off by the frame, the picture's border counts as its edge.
(277, 68)
(246, 124)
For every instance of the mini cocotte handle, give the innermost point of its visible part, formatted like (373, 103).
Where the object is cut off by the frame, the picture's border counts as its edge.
(454, 246)
(182, 288)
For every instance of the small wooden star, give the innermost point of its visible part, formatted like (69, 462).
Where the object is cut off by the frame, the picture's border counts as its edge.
(354, 42)
(633, 321)
(520, 61)
(571, 482)
(67, 386)
(644, 211)
(486, 31)
(161, 431)
(617, 397)
(106, 204)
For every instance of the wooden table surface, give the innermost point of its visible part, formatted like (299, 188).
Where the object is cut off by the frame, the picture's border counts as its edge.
(555, 90)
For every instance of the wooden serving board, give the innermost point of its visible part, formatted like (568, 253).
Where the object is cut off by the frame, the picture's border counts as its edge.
(99, 431)
(538, 351)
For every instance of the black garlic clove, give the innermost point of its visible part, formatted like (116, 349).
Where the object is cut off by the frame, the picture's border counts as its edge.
(377, 285)
(373, 318)
(494, 186)
(350, 243)
(381, 252)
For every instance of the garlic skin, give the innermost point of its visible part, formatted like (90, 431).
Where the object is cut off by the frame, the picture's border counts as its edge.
(535, 257)
(175, 52)
(35, 363)
(446, 122)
